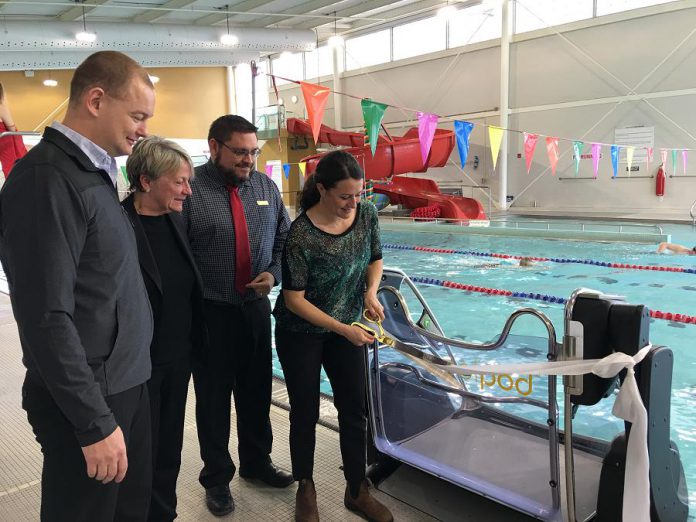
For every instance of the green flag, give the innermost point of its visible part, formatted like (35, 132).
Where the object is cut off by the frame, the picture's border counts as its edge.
(373, 112)
(577, 150)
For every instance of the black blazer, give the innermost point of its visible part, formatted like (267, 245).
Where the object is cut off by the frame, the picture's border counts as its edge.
(153, 281)
(71, 260)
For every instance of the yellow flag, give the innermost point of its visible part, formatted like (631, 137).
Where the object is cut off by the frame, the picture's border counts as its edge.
(629, 158)
(303, 166)
(495, 135)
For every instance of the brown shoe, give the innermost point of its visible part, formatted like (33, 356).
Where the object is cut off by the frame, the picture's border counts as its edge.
(306, 502)
(367, 505)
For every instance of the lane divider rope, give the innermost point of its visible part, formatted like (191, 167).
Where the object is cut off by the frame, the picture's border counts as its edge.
(655, 314)
(654, 268)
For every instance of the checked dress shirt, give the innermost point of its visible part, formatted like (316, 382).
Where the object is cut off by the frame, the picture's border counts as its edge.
(211, 230)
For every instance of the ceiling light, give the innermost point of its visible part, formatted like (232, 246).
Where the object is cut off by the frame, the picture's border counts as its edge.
(154, 79)
(281, 101)
(50, 82)
(447, 12)
(85, 35)
(293, 99)
(335, 41)
(228, 39)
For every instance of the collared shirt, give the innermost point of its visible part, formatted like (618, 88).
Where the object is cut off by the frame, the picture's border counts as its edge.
(211, 230)
(94, 152)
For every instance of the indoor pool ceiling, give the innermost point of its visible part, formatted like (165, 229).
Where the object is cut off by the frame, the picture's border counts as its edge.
(40, 34)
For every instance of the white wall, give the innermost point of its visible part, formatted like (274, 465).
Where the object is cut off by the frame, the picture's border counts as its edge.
(547, 69)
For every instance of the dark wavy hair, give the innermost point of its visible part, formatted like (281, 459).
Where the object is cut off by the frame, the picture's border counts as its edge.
(332, 168)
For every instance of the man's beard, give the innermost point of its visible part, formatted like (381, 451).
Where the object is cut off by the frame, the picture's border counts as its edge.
(231, 177)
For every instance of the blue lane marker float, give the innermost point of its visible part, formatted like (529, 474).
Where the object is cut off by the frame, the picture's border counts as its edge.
(656, 314)
(654, 268)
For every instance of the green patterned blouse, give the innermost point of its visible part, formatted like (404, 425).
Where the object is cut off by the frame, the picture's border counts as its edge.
(330, 268)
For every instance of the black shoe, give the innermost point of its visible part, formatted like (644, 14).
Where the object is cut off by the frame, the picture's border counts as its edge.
(219, 500)
(271, 475)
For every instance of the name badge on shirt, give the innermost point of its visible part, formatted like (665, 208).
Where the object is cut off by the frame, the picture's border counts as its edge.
(262, 202)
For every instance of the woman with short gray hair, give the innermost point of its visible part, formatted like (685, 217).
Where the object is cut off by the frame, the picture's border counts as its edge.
(159, 172)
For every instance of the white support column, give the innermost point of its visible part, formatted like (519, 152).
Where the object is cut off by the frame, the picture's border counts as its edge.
(505, 38)
(337, 98)
(231, 91)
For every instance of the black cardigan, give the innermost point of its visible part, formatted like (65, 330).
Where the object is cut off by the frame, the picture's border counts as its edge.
(153, 281)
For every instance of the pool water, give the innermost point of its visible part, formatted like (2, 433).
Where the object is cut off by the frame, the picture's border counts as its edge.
(478, 317)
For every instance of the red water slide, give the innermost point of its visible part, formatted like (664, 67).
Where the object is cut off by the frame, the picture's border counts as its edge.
(394, 156)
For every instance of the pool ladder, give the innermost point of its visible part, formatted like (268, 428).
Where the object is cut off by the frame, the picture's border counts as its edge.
(691, 213)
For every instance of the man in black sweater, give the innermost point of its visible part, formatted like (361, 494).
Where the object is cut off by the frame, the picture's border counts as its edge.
(77, 293)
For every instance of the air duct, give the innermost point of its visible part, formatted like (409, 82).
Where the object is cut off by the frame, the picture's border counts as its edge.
(52, 45)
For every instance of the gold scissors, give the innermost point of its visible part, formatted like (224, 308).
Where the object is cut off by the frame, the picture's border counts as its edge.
(378, 332)
(414, 350)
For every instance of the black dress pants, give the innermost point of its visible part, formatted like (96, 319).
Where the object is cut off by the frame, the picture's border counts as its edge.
(302, 355)
(168, 388)
(238, 361)
(67, 493)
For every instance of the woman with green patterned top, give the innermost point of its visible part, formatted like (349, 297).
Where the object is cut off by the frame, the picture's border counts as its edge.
(332, 266)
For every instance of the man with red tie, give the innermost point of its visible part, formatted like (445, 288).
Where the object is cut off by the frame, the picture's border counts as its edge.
(237, 225)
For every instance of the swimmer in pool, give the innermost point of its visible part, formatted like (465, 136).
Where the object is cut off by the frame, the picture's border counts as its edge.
(676, 249)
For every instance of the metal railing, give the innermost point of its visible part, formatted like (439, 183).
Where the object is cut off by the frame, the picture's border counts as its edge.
(451, 221)
(582, 226)
(19, 133)
(446, 186)
(520, 225)
(691, 213)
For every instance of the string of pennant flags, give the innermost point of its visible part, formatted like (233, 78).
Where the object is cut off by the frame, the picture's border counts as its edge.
(316, 97)
(302, 165)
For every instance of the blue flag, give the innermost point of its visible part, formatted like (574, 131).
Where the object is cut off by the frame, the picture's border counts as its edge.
(615, 158)
(462, 129)
(286, 169)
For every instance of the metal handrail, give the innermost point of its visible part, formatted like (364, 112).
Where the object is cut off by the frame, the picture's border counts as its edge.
(552, 355)
(19, 133)
(519, 224)
(582, 224)
(452, 221)
(691, 213)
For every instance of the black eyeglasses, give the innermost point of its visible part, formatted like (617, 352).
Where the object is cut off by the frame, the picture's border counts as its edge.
(241, 153)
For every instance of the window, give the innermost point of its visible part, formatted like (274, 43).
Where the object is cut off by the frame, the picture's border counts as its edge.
(475, 24)
(538, 14)
(287, 65)
(614, 6)
(421, 37)
(320, 62)
(242, 87)
(367, 50)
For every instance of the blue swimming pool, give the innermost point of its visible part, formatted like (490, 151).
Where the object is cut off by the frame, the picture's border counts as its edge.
(478, 317)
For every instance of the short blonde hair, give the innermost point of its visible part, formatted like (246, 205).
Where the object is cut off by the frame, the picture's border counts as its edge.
(152, 157)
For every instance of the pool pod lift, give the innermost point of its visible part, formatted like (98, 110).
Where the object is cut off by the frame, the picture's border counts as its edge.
(426, 416)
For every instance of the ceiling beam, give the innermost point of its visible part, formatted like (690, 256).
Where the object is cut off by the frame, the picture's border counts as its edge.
(395, 14)
(301, 9)
(240, 8)
(151, 15)
(75, 13)
(351, 11)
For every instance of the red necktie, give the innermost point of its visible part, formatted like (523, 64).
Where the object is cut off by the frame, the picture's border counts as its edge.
(242, 260)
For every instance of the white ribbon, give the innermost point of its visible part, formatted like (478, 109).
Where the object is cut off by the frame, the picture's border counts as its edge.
(628, 406)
